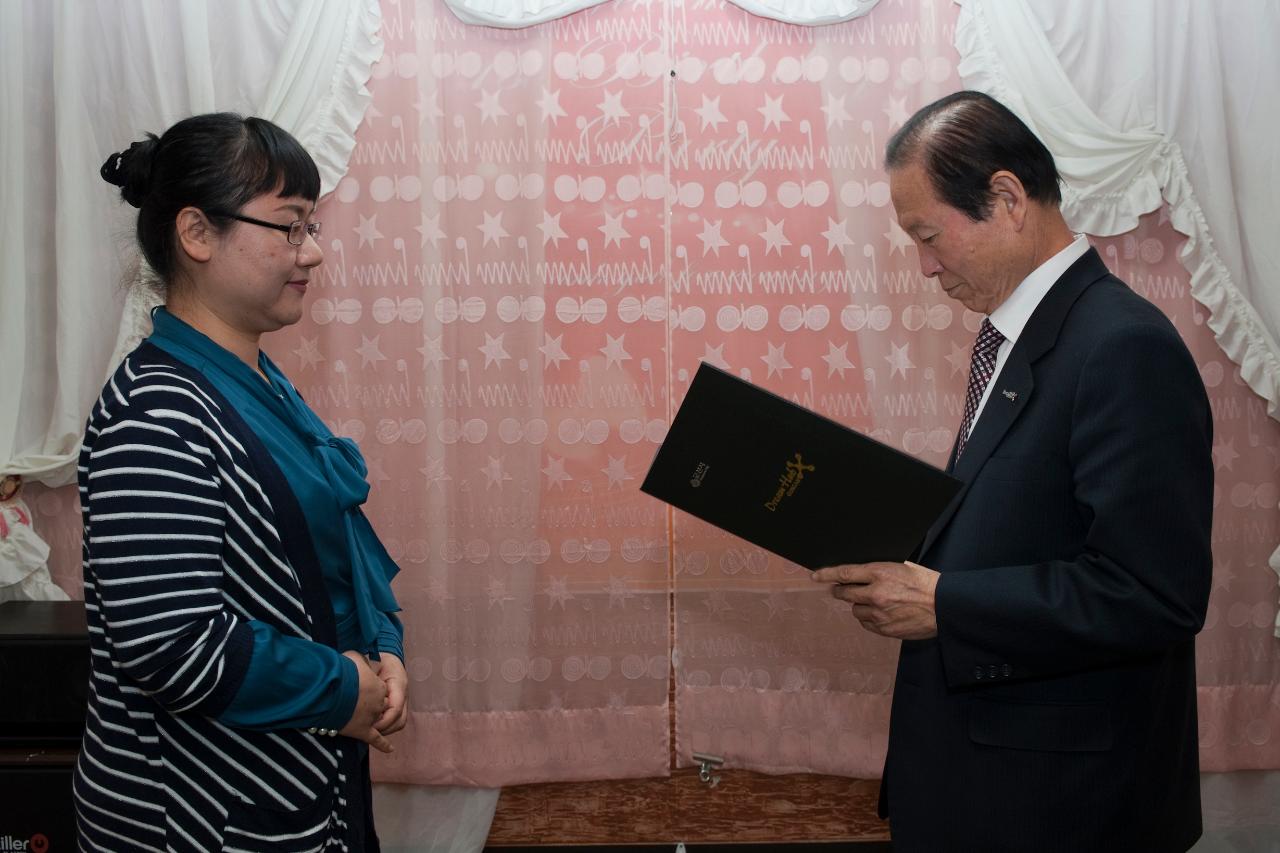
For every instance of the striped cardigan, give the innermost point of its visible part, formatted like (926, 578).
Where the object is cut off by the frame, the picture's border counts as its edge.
(189, 532)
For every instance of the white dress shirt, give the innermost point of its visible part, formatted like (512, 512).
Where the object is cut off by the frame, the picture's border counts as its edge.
(1012, 315)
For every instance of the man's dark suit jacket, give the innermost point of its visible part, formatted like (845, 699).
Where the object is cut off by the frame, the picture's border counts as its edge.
(1056, 708)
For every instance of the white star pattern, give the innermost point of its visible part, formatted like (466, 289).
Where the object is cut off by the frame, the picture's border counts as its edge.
(493, 350)
(710, 113)
(494, 475)
(619, 591)
(427, 106)
(432, 352)
(497, 590)
(435, 473)
(1225, 455)
(556, 475)
(613, 350)
(777, 605)
(612, 108)
(1222, 575)
(710, 237)
(492, 229)
(837, 236)
(899, 360)
(958, 358)
(897, 112)
(616, 471)
(308, 352)
(772, 112)
(898, 239)
(429, 230)
(369, 352)
(835, 112)
(774, 239)
(714, 355)
(837, 358)
(549, 103)
(776, 359)
(717, 602)
(438, 591)
(367, 231)
(557, 590)
(550, 228)
(613, 230)
(552, 351)
(490, 106)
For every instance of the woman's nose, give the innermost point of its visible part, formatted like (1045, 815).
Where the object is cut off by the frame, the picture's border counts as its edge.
(309, 253)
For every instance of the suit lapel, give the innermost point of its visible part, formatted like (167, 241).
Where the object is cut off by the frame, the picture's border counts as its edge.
(1008, 398)
(1013, 387)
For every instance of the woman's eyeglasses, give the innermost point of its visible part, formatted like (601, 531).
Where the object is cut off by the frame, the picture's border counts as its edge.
(297, 230)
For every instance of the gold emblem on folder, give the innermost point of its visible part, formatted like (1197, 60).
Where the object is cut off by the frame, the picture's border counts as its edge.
(788, 482)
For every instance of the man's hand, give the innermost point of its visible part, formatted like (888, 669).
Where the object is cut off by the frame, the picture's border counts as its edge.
(889, 599)
(371, 704)
(391, 670)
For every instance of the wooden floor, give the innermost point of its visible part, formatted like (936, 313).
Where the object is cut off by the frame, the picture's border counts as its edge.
(744, 808)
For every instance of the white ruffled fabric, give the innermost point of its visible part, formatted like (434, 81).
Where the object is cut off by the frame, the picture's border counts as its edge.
(1163, 73)
(101, 73)
(515, 14)
(808, 13)
(322, 96)
(24, 573)
(325, 121)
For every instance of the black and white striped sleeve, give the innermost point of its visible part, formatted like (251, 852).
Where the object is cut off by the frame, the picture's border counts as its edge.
(155, 526)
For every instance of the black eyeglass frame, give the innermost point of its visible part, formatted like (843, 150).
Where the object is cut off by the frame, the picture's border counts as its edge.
(301, 226)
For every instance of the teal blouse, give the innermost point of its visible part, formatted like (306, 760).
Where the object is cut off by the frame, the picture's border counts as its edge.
(291, 682)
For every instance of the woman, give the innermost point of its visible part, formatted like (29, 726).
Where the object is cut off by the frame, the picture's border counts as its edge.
(245, 651)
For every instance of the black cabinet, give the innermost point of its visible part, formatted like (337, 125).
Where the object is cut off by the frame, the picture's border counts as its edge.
(44, 682)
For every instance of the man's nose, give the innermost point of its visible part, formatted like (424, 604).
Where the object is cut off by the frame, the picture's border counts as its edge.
(929, 266)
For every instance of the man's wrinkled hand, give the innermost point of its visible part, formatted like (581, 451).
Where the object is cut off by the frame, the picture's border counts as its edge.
(890, 599)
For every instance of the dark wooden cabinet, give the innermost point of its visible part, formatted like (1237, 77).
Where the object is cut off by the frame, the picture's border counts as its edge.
(44, 682)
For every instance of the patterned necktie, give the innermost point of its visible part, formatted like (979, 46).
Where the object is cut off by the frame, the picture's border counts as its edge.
(981, 368)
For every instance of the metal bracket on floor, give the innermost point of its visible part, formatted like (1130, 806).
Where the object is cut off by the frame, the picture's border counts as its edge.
(707, 764)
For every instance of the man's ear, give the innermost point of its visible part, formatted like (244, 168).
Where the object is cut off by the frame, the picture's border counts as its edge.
(195, 234)
(1010, 197)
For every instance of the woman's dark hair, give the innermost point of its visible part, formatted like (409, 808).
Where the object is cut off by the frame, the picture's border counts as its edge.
(214, 162)
(962, 140)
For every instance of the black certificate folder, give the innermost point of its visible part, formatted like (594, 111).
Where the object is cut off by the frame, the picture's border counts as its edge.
(790, 480)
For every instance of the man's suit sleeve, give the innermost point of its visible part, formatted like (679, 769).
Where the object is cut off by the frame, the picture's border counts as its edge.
(1140, 452)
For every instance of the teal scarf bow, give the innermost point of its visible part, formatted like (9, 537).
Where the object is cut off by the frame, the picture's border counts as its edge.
(338, 458)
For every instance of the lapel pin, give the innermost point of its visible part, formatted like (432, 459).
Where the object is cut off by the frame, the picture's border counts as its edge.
(1012, 395)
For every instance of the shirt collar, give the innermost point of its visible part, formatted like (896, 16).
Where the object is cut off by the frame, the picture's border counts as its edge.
(1012, 315)
(183, 341)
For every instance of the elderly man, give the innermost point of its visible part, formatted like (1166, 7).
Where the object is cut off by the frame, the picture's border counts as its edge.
(1045, 695)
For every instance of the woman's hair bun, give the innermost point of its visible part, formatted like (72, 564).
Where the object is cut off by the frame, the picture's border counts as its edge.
(130, 170)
